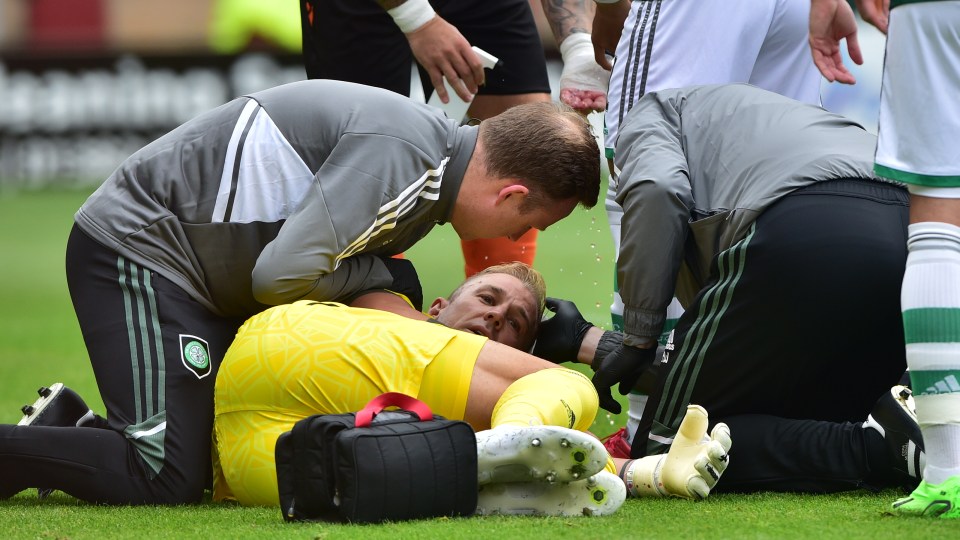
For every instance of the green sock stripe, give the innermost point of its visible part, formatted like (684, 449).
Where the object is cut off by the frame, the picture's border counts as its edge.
(928, 382)
(932, 325)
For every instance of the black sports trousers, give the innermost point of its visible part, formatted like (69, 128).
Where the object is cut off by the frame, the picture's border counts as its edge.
(357, 41)
(793, 340)
(155, 353)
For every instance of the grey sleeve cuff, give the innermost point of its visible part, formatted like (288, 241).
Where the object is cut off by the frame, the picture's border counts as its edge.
(640, 325)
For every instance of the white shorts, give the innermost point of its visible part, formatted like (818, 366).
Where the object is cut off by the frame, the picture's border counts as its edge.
(919, 126)
(676, 43)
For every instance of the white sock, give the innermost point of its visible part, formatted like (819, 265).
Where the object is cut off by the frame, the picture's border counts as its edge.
(930, 300)
(942, 441)
(634, 412)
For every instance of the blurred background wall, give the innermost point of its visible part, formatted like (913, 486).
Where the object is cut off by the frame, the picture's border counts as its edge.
(85, 83)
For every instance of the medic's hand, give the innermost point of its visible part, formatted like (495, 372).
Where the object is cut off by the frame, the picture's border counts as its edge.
(624, 366)
(560, 336)
(443, 51)
(607, 27)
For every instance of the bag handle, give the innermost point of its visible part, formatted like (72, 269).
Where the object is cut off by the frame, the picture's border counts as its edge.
(392, 399)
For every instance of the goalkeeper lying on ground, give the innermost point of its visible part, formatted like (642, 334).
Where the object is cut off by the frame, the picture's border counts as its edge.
(296, 360)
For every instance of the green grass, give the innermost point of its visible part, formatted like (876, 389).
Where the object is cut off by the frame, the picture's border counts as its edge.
(40, 343)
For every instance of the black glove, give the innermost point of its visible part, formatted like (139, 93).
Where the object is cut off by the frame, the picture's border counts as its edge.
(560, 336)
(405, 280)
(610, 341)
(624, 365)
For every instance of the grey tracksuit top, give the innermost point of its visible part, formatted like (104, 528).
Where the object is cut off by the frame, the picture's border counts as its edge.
(284, 194)
(698, 165)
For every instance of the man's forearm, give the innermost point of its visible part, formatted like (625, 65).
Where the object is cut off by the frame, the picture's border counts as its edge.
(409, 15)
(568, 17)
(588, 348)
(598, 343)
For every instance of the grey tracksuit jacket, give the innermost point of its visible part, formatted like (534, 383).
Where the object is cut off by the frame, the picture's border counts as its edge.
(284, 194)
(698, 165)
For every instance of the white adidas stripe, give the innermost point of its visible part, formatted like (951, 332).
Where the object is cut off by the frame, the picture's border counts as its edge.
(393, 210)
(226, 177)
(157, 429)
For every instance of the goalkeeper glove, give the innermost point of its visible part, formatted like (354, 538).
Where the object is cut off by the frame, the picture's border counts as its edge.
(691, 468)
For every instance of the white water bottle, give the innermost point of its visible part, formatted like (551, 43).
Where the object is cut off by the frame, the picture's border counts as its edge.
(457, 108)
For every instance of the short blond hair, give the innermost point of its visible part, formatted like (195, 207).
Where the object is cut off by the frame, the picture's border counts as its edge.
(530, 278)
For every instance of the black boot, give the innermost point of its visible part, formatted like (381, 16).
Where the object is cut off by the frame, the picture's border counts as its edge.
(58, 406)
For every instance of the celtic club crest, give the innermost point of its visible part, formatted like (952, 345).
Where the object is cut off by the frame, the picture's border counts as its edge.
(195, 355)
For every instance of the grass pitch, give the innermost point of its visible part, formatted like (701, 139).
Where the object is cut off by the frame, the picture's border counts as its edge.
(40, 343)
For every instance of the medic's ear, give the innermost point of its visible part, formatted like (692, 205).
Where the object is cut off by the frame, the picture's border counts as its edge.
(513, 189)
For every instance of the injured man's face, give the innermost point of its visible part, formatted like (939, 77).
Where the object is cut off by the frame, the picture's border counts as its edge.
(495, 305)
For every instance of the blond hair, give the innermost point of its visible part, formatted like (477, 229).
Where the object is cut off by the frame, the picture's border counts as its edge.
(530, 278)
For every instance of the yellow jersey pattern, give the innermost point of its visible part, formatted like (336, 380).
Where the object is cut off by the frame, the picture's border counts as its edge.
(306, 358)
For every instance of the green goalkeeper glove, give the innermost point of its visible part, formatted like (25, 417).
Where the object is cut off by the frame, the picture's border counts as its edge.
(693, 465)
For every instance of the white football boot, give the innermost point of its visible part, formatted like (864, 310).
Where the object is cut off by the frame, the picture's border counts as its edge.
(599, 495)
(537, 453)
